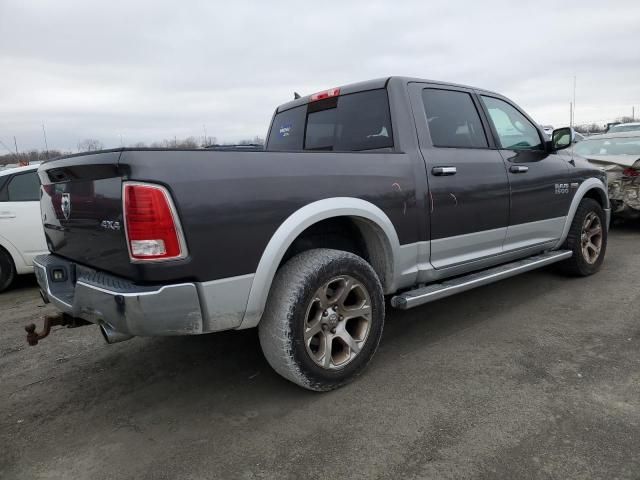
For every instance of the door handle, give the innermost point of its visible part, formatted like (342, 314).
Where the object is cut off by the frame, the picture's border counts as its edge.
(7, 215)
(443, 171)
(518, 169)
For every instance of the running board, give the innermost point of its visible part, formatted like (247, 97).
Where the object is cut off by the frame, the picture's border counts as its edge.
(436, 291)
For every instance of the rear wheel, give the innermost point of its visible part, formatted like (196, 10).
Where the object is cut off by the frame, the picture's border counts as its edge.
(7, 270)
(587, 239)
(323, 320)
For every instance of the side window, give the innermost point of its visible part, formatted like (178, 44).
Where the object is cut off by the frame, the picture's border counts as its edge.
(287, 130)
(453, 119)
(514, 131)
(24, 188)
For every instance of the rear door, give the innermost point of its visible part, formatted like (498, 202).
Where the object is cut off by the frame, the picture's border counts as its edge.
(540, 190)
(20, 222)
(468, 186)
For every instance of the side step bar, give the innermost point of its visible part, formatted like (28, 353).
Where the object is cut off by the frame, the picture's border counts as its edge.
(432, 292)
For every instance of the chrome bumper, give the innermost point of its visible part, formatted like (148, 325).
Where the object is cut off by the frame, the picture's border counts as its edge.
(119, 304)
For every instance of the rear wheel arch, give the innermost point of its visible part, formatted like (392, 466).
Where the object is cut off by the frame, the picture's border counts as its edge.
(376, 241)
(16, 257)
(599, 195)
(7, 269)
(591, 188)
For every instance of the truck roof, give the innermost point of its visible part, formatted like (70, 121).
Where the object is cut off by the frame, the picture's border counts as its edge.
(375, 84)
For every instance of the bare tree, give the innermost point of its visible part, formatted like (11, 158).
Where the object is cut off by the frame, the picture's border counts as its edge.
(252, 141)
(90, 145)
(589, 128)
(189, 142)
(625, 119)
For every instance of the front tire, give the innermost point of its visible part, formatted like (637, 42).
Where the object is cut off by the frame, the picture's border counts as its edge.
(323, 319)
(7, 270)
(587, 239)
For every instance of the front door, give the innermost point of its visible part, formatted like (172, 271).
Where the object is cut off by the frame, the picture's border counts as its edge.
(468, 186)
(540, 191)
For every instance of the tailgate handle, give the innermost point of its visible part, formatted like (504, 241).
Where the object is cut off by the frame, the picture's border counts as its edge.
(518, 169)
(443, 171)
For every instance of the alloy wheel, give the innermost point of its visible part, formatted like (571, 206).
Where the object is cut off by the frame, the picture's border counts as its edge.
(591, 238)
(337, 322)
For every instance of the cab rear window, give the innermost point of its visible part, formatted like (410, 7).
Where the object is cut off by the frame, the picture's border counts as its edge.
(354, 122)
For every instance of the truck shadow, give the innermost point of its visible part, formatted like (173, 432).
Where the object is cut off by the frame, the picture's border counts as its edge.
(625, 225)
(226, 373)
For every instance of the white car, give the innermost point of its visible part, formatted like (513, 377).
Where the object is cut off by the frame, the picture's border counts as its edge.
(21, 233)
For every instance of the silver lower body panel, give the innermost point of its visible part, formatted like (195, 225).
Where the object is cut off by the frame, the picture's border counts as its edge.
(127, 308)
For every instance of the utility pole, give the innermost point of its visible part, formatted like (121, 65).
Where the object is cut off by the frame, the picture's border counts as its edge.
(573, 114)
(204, 143)
(46, 145)
(21, 162)
(633, 113)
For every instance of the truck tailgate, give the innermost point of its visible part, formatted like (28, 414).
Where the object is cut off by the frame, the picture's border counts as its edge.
(81, 207)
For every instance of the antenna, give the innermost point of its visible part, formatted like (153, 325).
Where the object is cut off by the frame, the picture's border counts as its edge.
(296, 95)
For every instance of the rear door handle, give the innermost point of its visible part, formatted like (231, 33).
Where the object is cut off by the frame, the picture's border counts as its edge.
(7, 215)
(442, 171)
(518, 169)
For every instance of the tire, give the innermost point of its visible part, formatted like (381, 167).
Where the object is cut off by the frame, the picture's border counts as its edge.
(7, 270)
(311, 310)
(586, 260)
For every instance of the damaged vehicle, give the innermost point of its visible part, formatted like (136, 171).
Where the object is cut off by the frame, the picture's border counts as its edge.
(618, 154)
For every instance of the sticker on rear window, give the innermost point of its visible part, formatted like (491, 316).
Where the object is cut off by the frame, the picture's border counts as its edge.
(285, 130)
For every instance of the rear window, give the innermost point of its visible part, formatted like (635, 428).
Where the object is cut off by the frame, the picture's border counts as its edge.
(453, 119)
(355, 122)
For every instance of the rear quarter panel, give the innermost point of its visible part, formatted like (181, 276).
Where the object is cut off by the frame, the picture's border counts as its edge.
(231, 203)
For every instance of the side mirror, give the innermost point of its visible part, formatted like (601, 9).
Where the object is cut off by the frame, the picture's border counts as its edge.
(561, 138)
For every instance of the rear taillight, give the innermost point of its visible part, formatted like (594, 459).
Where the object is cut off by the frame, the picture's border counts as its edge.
(332, 92)
(631, 172)
(151, 223)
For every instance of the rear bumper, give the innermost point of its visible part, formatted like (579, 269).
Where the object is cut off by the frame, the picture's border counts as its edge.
(177, 309)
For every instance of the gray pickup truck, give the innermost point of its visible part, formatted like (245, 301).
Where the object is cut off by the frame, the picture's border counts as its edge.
(398, 187)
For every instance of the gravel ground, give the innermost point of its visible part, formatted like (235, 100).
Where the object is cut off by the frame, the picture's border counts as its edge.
(534, 377)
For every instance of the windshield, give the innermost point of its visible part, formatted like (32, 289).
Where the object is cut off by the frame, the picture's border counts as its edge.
(609, 146)
(630, 127)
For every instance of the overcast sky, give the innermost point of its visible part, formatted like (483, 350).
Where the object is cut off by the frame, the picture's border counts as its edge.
(148, 70)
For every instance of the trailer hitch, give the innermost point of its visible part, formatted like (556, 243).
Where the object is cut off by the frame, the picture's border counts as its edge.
(61, 319)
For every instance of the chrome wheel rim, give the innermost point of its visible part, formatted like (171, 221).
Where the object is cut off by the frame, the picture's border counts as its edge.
(591, 238)
(337, 322)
